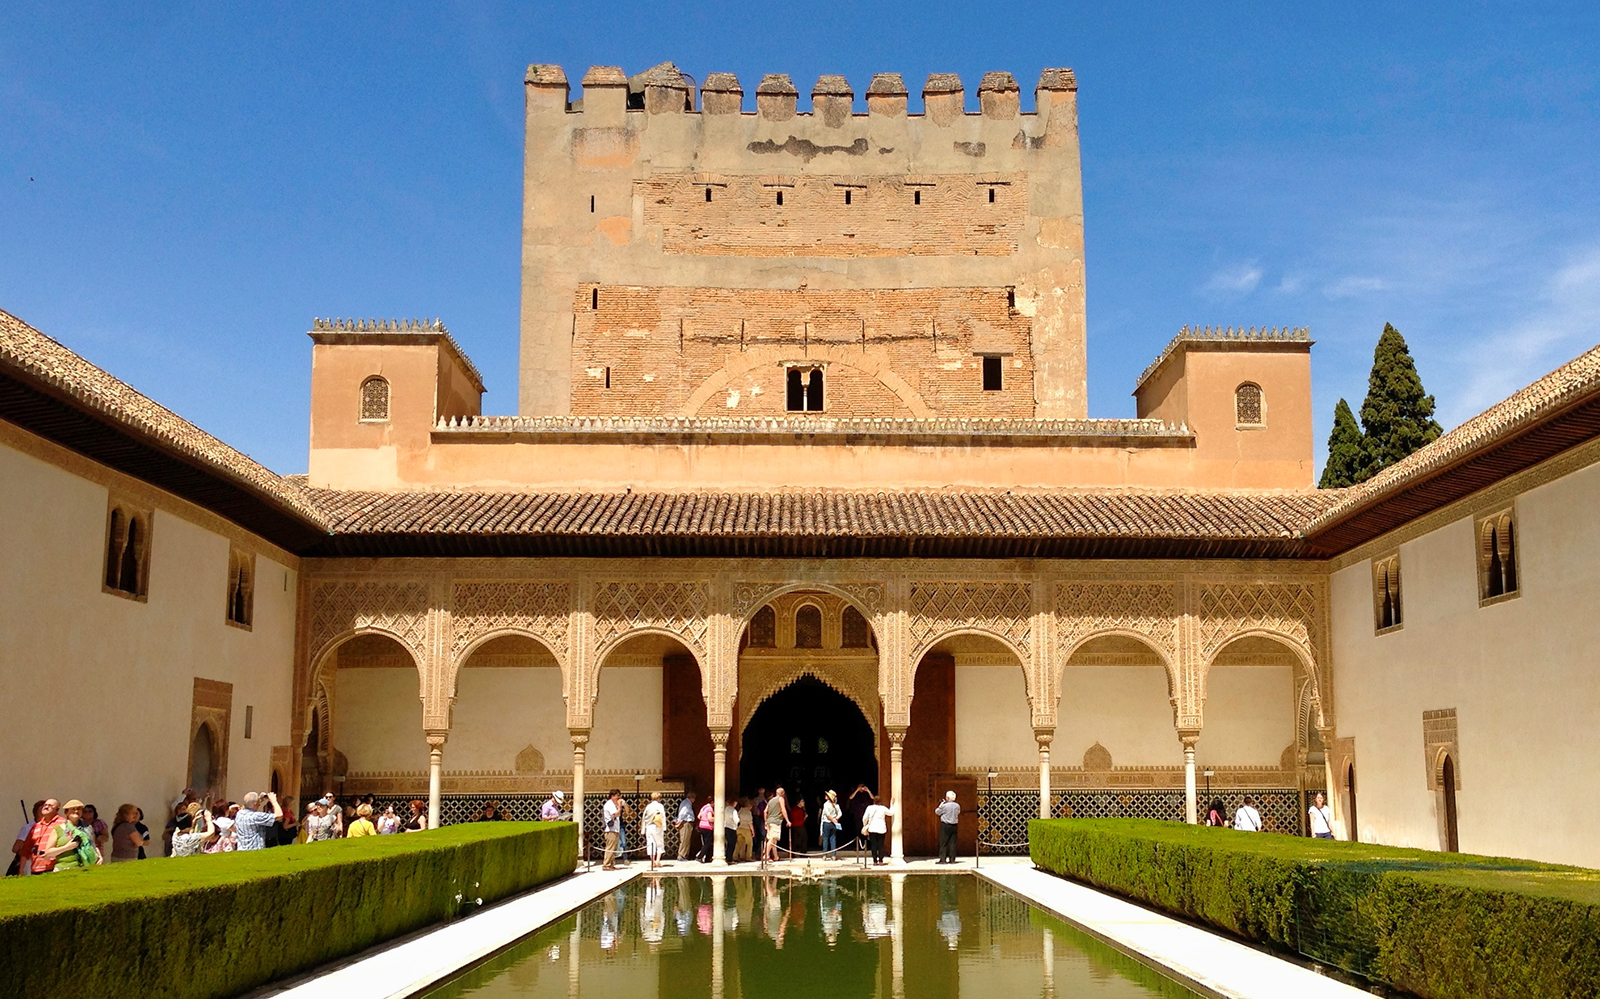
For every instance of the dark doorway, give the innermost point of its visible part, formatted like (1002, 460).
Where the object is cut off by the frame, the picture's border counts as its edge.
(1452, 837)
(809, 738)
(1350, 790)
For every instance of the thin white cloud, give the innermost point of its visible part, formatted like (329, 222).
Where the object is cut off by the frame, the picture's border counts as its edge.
(1351, 287)
(1562, 322)
(1238, 280)
(1291, 284)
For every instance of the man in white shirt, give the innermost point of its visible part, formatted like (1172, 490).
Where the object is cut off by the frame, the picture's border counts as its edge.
(1321, 817)
(730, 829)
(1247, 819)
(611, 823)
(949, 815)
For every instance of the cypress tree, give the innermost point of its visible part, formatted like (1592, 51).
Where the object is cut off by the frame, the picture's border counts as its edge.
(1397, 416)
(1347, 451)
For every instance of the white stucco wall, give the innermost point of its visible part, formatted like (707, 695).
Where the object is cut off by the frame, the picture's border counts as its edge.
(1521, 674)
(499, 711)
(994, 725)
(99, 688)
(1124, 708)
(1249, 716)
(627, 721)
(377, 720)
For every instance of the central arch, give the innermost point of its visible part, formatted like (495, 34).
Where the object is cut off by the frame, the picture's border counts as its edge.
(808, 738)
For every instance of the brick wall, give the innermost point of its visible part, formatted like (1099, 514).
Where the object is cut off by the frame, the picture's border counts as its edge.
(725, 351)
(892, 216)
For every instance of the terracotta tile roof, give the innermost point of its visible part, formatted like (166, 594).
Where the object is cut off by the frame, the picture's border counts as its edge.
(1572, 384)
(816, 517)
(29, 354)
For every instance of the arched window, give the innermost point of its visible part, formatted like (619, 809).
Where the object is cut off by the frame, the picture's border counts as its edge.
(803, 390)
(1247, 405)
(1386, 594)
(127, 550)
(808, 627)
(854, 631)
(202, 760)
(375, 399)
(763, 630)
(116, 537)
(1497, 555)
(241, 589)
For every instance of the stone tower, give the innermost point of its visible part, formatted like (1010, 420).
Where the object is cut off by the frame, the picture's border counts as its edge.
(692, 261)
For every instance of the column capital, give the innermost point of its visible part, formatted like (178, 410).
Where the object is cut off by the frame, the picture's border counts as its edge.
(436, 738)
(719, 738)
(580, 736)
(1044, 736)
(897, 737)
(1188, 736)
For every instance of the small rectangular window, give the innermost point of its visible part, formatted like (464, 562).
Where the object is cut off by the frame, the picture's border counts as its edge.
(608, 376)
(847, 195)
(780, 198)
(992, 377)
(916, 197)
(591, 204)
(249, 720)
(991, 195)
(594, 299)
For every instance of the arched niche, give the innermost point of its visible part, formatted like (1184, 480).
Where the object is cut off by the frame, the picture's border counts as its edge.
(508, 698)
(629, 726)
(374, 709)
(1251, 702)
(993, 718)
(1115, 698)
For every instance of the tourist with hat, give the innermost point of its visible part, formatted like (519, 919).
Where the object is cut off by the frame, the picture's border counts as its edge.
(832, 822)
(551, 810)
(73, 845)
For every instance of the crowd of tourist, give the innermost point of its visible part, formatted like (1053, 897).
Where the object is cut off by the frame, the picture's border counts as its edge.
(71, 836)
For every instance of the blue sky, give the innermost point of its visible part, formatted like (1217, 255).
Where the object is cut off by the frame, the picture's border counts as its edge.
(184, 186)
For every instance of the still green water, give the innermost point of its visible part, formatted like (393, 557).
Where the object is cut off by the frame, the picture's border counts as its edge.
(918, 936)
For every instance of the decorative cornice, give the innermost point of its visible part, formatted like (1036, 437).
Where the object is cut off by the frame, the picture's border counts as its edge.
(1203, 336)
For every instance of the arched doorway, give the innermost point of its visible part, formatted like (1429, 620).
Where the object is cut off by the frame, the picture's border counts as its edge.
(202, 761)
(808, 738)
(1350, 799)
(1447, 776)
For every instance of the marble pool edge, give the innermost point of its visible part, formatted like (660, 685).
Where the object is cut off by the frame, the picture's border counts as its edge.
(1202, 961)
(429, 958)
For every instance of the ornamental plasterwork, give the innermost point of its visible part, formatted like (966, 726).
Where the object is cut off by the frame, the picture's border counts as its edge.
(1003, 609)
(682, 608)
(399, 608)
(1149, 610)
(538, 608)
(1227, 610)
(762, 676)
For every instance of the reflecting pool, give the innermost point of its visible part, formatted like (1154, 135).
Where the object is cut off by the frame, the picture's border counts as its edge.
(900, 936)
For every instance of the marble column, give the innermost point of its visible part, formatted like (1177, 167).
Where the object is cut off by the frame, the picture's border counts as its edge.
(436, 740)
(1049, 964)
(574, 959)
(1043, 736)
(719, 795)
(580, 745)
(1191, 805)
(897, 844)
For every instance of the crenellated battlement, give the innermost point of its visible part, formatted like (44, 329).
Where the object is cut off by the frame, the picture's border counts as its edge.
(665, 89)
(379, 326)
(1243, 335)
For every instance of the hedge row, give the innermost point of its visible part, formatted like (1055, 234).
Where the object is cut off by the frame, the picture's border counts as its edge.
(213, 926)
(1441, 926)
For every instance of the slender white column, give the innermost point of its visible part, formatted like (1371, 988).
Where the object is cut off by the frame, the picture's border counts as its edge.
(580, 743)
(574, 962)
(1049, 964)
(435, 776)
(719, 795)
(897, 843)
(1191, 808)
(1043, 737)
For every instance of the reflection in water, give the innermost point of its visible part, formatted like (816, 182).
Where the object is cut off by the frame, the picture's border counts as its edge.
(853, 937)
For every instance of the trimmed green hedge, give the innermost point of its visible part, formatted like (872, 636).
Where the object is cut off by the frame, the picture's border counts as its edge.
(213, 926)
(1440, 925)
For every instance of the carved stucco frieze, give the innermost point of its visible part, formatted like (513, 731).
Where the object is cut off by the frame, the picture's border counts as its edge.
(761, 677)
(1001, 609)
(1289, 611)
(678, 607)
(542, 609)
(341, 607)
